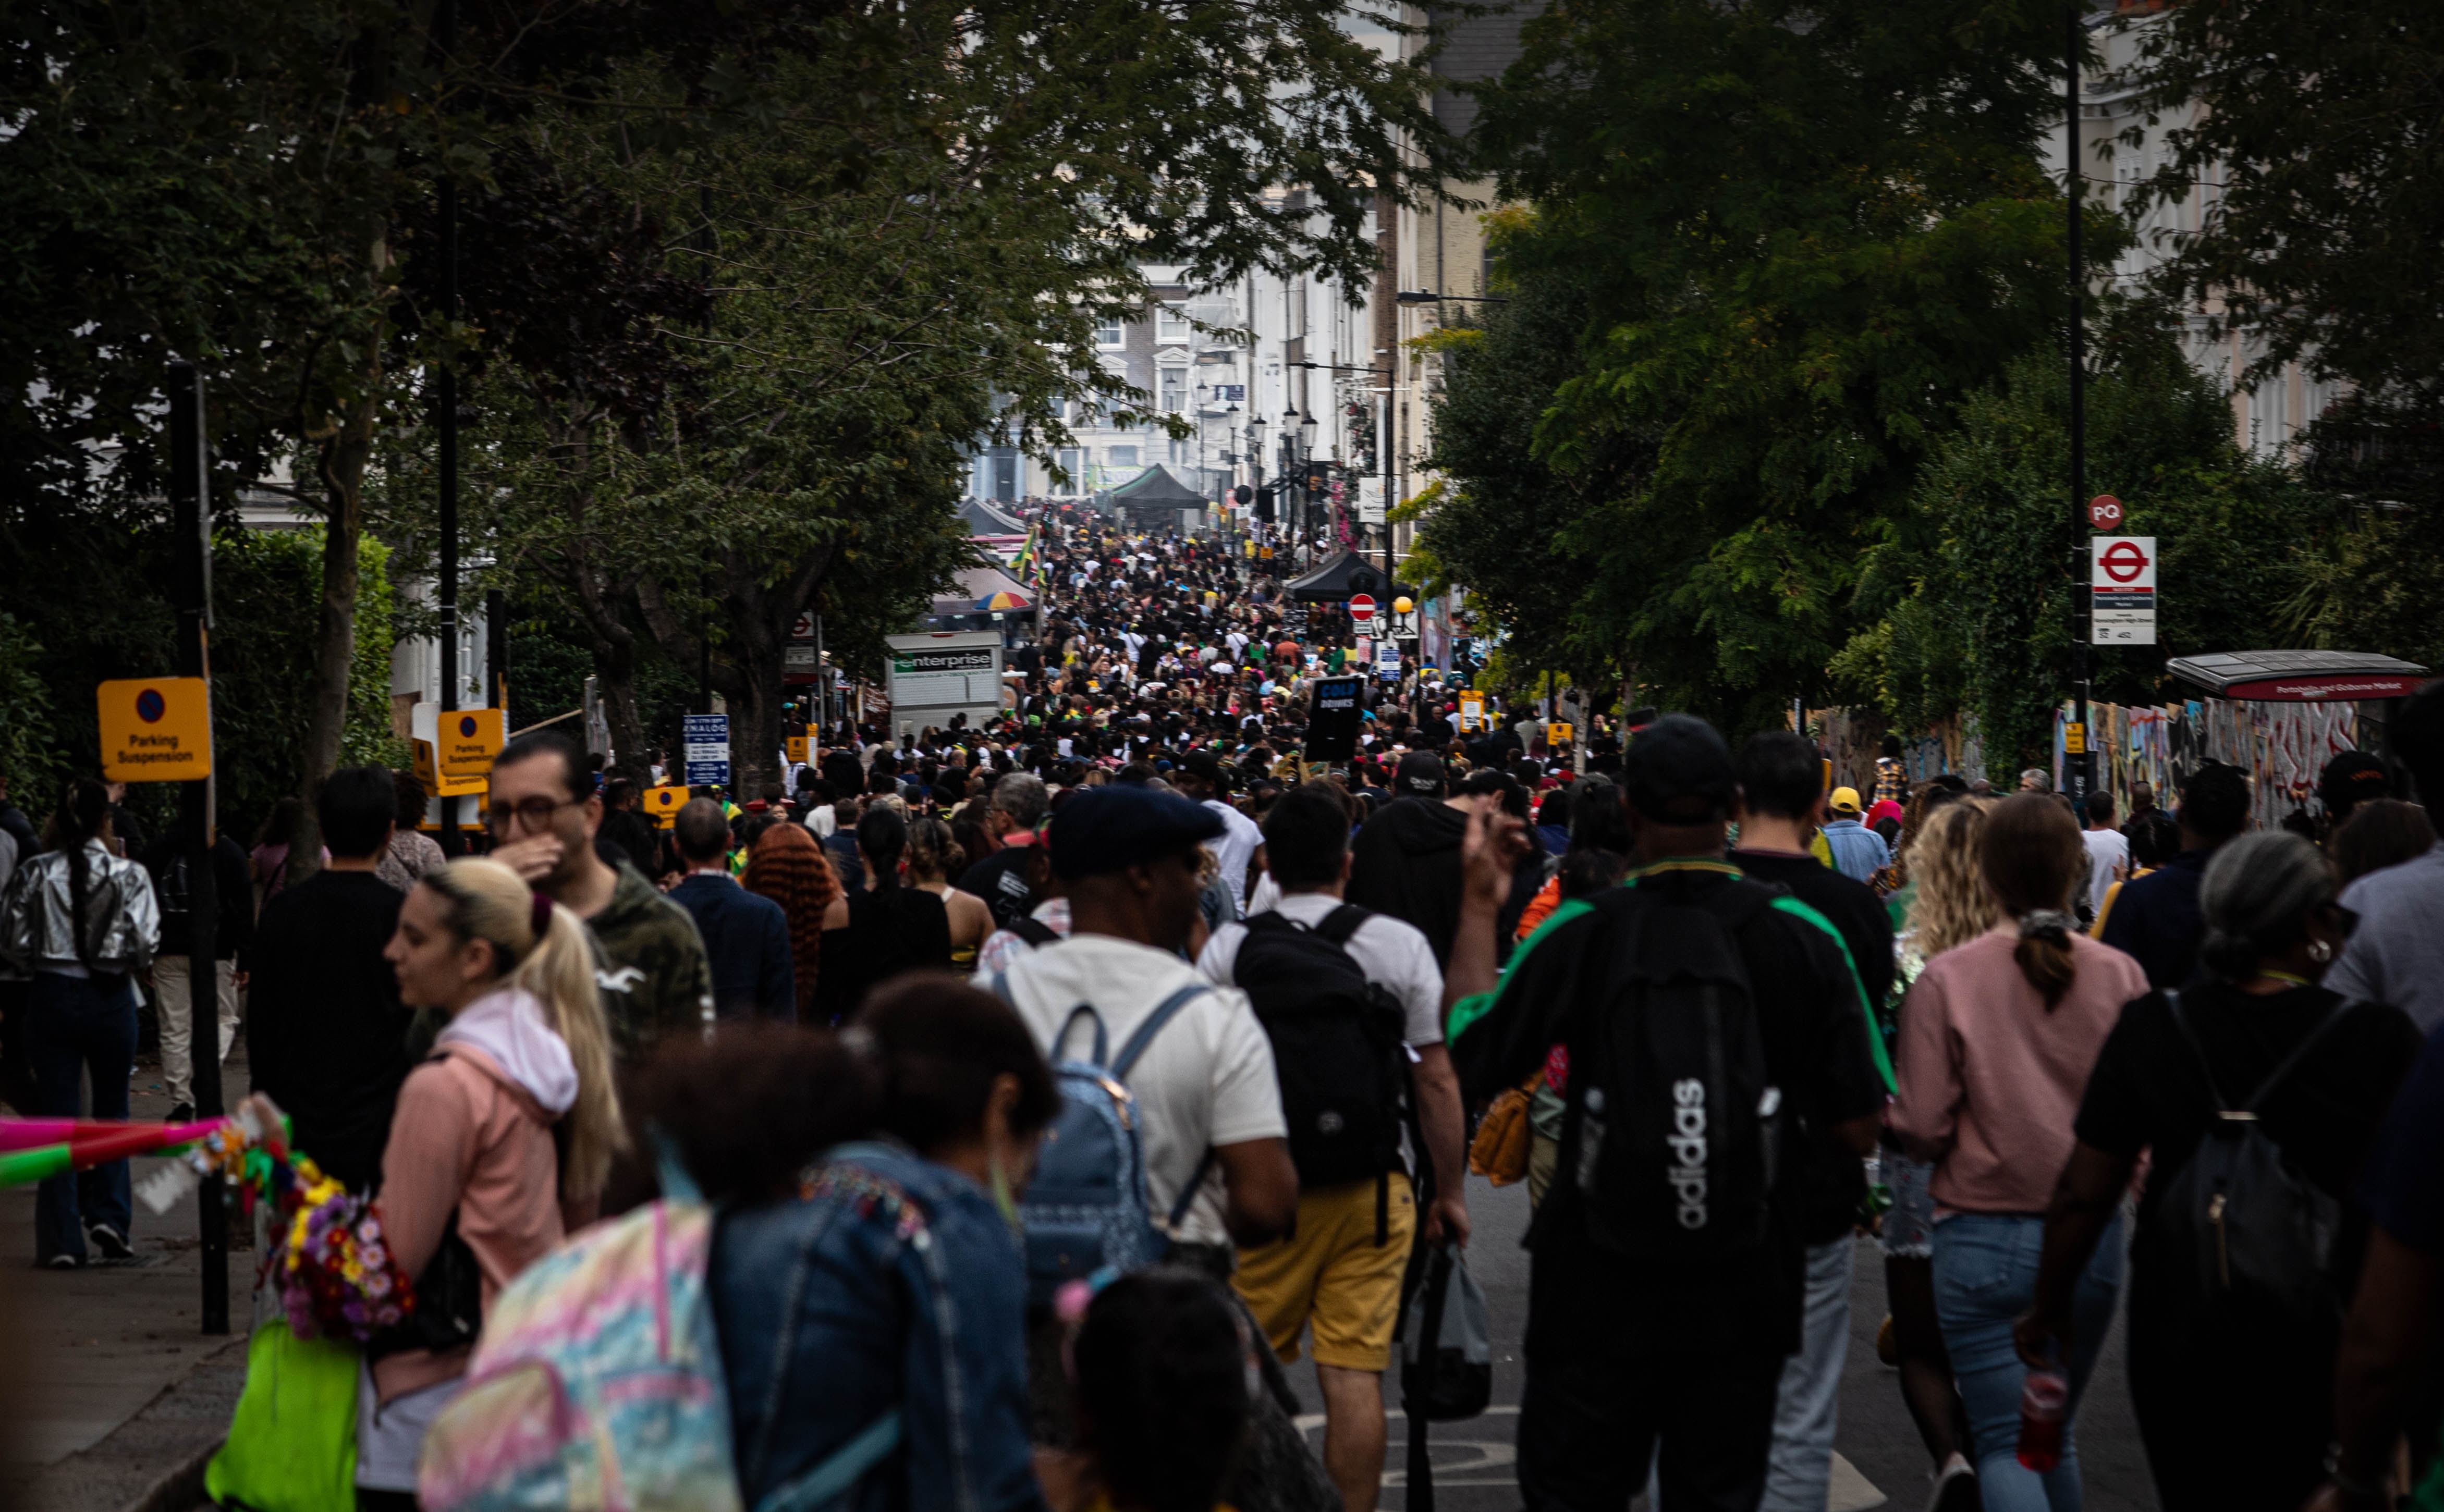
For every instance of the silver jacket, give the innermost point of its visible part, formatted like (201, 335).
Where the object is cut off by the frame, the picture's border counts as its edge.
(122, 919)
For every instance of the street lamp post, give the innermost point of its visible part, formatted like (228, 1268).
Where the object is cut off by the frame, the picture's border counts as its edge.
(1290, 473)
(1257, 457)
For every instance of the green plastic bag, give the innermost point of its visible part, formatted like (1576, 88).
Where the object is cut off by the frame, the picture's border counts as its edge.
(292, 1443)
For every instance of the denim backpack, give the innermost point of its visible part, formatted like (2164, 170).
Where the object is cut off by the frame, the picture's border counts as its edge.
(598, 1385)
(1087, 1209)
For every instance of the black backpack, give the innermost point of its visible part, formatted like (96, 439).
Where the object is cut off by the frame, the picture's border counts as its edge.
(1677, 1120)
(1337, 1048)
(2243, 1235)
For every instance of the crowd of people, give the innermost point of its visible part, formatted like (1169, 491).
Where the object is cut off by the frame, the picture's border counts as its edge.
(1056, 1081)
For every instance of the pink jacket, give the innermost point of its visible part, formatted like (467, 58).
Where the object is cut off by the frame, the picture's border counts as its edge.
(1989, 1080)
(466, 1137)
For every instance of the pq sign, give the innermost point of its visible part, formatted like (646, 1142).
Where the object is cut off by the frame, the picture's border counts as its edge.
(2105, 512)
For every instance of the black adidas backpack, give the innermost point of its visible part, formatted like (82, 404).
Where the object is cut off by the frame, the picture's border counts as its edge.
(1337, 1046)
(1676, 1118)
(2243, 1237)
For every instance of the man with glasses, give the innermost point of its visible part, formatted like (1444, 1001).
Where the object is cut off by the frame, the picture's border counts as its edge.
(650, 962)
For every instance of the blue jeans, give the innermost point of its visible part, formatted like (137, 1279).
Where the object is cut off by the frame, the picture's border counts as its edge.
(1985, 1278)
(1807, 1405)
(79, 1025)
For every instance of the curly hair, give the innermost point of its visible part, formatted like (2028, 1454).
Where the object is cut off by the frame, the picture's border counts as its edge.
(785, 865)
(1951, 906)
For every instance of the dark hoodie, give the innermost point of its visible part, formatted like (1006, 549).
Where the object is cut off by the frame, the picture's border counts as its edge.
(1405, 862)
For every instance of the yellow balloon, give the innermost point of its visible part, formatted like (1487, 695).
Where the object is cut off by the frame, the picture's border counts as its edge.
(1402, 604)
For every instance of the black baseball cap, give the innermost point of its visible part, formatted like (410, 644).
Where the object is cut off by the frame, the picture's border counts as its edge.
(1101, 829)
(1678, 772)
(2351, 779)
(1421, 774)
(1202, 763)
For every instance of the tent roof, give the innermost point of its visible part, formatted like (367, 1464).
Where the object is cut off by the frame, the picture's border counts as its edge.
(984, 519)
(1157, 486)
(1346, 574)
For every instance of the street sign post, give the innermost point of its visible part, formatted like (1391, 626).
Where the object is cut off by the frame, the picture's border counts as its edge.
(2122, 584)
(2105, 512)
(1472, 712)
(708, 748)
(1387, 661)
(1361, 609)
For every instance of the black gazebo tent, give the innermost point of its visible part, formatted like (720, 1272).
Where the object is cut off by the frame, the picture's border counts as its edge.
(1157, 489)
(1345, 575)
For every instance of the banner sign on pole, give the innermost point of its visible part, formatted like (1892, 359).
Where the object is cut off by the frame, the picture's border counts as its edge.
(1387, 661)
(708, 748)
(156, 730)
(1472, 712)
(2123, 579)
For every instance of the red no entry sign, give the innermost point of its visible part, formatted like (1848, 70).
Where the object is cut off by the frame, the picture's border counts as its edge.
(1361, 609)
(2123, 561)
(2105, 512)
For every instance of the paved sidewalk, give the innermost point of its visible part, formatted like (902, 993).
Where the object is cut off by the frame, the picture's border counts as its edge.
(119, 1398)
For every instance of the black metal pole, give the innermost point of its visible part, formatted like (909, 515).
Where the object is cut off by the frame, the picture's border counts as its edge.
(2076, 766)
(496, 651)
(445, 30)
(191, 525)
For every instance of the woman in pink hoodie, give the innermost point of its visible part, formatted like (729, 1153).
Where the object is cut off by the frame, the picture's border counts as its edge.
(1997, 1037)
(475, 1184)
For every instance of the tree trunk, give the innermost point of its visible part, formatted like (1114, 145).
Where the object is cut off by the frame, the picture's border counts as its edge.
(750, 676)
(342, 466)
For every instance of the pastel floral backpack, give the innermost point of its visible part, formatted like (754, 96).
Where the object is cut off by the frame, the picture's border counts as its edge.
(597, 1383)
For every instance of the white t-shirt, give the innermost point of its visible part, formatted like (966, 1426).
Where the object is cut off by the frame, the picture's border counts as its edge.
(1234, 847)
(1393, 953)
(2108, 860)
(823, 822)
(1205, 1079)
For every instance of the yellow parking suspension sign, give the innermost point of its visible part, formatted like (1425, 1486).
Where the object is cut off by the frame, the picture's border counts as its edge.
(470, 739)
(156, 730)
(662, 804)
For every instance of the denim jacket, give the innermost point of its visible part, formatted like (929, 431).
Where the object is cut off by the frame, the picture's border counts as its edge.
(888, 1282)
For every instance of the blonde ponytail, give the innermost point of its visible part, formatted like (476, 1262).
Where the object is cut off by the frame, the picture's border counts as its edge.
(489, 902)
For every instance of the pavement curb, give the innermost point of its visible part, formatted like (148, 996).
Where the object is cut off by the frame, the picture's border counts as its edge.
(182, 1488)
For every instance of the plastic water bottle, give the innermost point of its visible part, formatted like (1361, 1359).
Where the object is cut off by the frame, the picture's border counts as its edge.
(2044, 1405)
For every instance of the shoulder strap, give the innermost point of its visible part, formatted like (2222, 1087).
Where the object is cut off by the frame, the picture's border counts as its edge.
(1164, 1013)
(1341, 923)
(2299, 1052)
(2181, 1022)
(1102, 1041)
(840, 1471)
(1188, 1193)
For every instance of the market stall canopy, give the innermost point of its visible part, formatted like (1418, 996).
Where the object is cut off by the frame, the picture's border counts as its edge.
(2298, 676)
(1156, 487)
(979, 587)
(984, 519)
(1344, 577)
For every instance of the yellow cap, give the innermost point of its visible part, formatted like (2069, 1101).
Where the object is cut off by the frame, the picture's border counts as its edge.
(1846, 800)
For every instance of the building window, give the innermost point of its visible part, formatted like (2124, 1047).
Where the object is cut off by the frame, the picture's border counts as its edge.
(1174, 391)
(1171, 324)
(1073, 468)
(1108, 333)
(1124, 456)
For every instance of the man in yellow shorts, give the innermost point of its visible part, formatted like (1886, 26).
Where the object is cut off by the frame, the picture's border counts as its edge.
(1337, 987)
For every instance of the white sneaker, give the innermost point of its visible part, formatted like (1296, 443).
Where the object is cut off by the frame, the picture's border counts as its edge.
(1955, 1487)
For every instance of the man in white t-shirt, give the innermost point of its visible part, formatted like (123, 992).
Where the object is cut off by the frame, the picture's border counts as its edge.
(2108, 852)
(1200, 776)
(1127, 857)
(1339, 1275)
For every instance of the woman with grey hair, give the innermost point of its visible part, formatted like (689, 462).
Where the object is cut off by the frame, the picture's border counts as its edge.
(2235, 1406)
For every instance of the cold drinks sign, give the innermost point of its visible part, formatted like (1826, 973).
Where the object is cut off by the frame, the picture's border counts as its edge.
(2123, 579)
